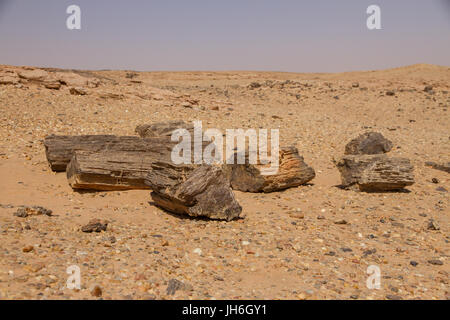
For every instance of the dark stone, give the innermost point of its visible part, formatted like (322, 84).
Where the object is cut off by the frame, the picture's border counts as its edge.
(369, 143)
(95, 225)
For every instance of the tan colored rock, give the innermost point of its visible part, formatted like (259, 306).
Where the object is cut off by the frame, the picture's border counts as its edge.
(71, 79)
(33, 75)
(78, 91)
(110, 95)
(8, 79)
(52, 84)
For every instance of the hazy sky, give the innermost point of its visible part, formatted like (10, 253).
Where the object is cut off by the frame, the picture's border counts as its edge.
(277, 35)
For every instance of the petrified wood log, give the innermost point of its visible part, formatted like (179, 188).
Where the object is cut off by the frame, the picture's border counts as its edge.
(60, 149)
(369, 143)
(198, 191)
(106, 170)
(292, 172)
(119, 166)
(160, 129)
(375, 172)
(442, 167)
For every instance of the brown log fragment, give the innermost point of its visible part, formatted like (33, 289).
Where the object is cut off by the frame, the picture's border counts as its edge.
(60, 149)
(375, 172)
(105, 170)
(369, 143)
(292, 172)
(442, 167)
(197, 191)
(161, 129)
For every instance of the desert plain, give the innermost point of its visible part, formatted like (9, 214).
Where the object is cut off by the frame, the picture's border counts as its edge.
(315, 241)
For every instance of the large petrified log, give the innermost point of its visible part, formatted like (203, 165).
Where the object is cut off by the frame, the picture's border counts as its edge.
(292, 172)
(60, 149)
(369, 143)
(119, 166)
(106, 170)
(375, 172)
(198, 191)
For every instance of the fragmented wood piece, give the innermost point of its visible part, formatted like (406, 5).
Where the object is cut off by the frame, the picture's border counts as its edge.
(375, 172)
(369, 143)
(292, 172)
(95, 225)
(162, 128)
(60, 149)
(442, 167)
(112, 170)
(119, 166)
(197, 191)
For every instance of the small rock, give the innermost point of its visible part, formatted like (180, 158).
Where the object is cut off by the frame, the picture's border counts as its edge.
(435, 180)
(435, 262)
(297, 215)
(186, 105)
(413, 263)
(52, 84)
(78, 91)
(26, 211)
(254, 85)
(342, 221)
(369, 252)
(428, 89)
(173, 286)
(432, 225)
(393, 297)
(28, 249)
(95, 225)
(96, 291)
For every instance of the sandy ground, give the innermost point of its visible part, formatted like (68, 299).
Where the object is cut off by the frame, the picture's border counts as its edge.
(288, 246)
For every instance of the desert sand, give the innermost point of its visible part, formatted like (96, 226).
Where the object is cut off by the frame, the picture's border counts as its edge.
(315, 241)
